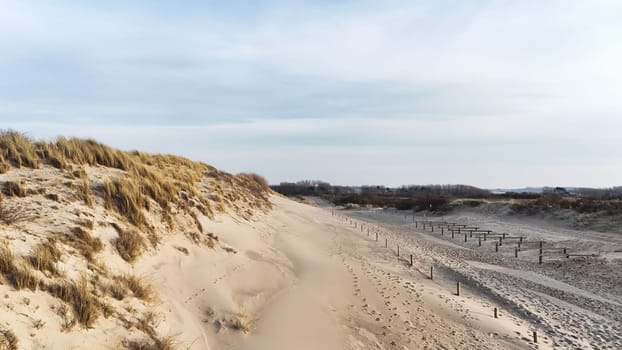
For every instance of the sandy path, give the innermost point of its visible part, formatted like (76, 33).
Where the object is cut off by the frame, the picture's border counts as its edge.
(349, 292)
(574, 302)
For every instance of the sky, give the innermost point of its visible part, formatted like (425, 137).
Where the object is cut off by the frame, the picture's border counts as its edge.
(490, 93)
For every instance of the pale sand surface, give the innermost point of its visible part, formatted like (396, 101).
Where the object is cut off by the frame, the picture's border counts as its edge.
(308, 280)
(575, 301)
(300, 278)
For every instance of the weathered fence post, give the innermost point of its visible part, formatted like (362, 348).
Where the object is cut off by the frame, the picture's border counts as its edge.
(376, 236)
(465, 237)
(458, 288)
(500, 241)
(496, 313)
(386, 243)
(398, 250)
(452, 234)
(516, 252)
(497, 247)
(535, 336)
(442, 231)
(431, 272)
(479, 241)
(411, 260)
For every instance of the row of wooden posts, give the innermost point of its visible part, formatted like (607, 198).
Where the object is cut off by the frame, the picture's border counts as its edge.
(386, 245)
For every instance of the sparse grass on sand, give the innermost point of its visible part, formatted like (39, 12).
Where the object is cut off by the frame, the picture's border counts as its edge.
(8, 340)
(139, 287)
(85, 243)
(23, 276)
(13, 189)
(159, 343)
(164, 179)
(85, 306)
(44, 256)
(129, 244)
(13, 213)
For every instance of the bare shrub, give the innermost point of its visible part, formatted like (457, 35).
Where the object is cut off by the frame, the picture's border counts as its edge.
(260, 180)
(129, 244)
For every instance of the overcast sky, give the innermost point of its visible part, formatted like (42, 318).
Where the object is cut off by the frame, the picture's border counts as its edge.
(489, 93)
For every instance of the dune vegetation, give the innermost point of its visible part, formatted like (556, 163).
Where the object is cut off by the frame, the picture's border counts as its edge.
(67, 206)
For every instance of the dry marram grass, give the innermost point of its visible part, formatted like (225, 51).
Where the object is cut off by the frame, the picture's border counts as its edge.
(13, 213)
(8, 340)
(13, 189)
(129, 244)
(140, 288)
(44, 256)
(158, 343)
(78, 294)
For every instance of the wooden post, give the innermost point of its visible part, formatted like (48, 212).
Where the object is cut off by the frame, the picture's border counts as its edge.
(442, 231)
(496, 313)
(386, 243)
(432, 227)
(516, 252)
(503, 235)
(500, 241)
(431, 272)
(535, 336)
(376, 236)
(416, 224)
(452, 234)
(484, 237)
(540, 259)
(465, 237)
(470, 234)
(458, 288)
(479, 241)
(398, 250)
(411, 260)
(496, 246)
(565, 251)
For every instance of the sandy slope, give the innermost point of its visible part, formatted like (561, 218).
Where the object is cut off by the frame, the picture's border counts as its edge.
(304, 279)
(296, 277)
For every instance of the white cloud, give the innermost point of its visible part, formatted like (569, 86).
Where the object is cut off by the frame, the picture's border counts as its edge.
(469, 89)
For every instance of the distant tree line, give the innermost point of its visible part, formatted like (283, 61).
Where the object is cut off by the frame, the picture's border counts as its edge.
(437, 197)
(417, 197)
